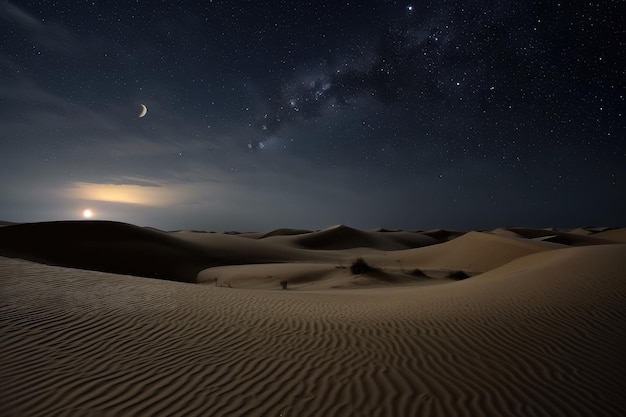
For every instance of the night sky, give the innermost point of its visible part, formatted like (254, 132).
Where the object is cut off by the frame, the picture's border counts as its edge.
(266, 114)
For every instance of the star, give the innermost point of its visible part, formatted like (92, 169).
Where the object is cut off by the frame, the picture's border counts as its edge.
(283, 90)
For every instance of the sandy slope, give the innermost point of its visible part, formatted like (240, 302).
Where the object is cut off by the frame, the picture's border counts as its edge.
(473, 252)
(540, 334)
(617, 235)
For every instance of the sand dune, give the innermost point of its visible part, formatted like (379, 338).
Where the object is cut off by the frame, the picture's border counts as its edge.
(617, 235)
(409, 240)
(538, 333)
(443, 235)
(344, 237)
(581, 231)
(504, 232)
(106, 246)
(555, 236)
(285, 232)
(473, 252)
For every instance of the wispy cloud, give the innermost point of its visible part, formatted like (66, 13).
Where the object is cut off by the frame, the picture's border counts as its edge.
(145, 195)
(49, 35)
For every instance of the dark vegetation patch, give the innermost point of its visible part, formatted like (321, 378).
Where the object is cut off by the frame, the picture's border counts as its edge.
(359, 267)
(458, 275)
(418, 273)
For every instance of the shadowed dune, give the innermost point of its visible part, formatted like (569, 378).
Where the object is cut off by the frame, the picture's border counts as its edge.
(285, 232)
(443, 235)
(554, 236)
(106, 246)
(409, 240)
(344, 237)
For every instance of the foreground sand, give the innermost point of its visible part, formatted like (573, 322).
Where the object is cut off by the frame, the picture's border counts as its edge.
(538, 330)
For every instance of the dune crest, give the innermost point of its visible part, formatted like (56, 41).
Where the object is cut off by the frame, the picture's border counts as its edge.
(343, 237)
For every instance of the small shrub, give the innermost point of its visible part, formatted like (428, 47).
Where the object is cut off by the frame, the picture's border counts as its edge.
(361, 267)
(283, 284)
(458, 275)
(418, 273)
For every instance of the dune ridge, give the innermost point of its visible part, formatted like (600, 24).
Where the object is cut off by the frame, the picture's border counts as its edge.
(343, 237)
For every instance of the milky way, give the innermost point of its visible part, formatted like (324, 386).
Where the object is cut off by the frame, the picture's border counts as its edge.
(267, 114)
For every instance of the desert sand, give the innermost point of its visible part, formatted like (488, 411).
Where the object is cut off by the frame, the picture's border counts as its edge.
(110, 319)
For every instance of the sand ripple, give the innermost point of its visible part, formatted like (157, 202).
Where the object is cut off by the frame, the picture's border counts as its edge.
(541, 336)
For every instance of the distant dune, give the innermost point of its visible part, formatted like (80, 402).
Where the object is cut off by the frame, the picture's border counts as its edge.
(616, 235)
(105, 246)
(474, 252)
(508, 322)
(566, 238)
(284, 232)
(344, 237)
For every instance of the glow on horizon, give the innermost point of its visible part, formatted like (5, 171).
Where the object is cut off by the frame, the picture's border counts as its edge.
(155, 196)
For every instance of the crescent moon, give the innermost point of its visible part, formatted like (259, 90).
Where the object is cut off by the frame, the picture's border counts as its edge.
(144, 110)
